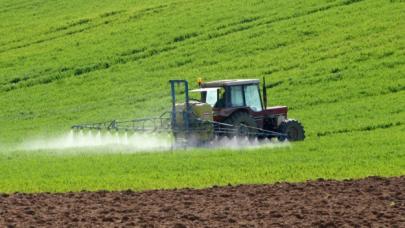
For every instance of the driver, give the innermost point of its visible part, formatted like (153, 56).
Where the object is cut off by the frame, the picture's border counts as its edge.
(221, 101)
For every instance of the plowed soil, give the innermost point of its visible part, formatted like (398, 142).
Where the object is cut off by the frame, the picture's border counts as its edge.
(372, 201)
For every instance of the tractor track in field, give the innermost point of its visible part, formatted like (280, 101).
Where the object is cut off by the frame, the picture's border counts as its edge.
(373, 201)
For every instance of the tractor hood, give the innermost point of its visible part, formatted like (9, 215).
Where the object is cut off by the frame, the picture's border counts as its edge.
(277, 110)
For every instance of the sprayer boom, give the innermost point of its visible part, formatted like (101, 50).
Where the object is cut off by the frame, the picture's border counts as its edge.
(143, 125)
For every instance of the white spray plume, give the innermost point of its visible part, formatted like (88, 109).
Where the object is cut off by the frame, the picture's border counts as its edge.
(237, 143)
(126, 142)
(103, 140)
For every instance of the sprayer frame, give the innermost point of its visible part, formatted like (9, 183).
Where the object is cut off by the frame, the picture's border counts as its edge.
(186, 114)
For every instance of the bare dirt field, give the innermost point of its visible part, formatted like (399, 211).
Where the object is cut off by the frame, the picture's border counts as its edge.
(373, 201)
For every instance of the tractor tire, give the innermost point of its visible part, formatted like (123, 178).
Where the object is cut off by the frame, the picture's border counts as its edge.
(293, 129)
(245, 125)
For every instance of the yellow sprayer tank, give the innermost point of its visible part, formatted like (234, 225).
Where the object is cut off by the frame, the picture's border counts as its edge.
(201, 128)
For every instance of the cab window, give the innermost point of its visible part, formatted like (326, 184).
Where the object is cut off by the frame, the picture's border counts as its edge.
(211, 97)
(252, 97)
(236, 96)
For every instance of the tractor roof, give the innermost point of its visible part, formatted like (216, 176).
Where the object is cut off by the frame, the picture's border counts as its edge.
(230, 82)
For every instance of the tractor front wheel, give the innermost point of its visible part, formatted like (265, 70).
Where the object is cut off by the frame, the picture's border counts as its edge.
(293, 129)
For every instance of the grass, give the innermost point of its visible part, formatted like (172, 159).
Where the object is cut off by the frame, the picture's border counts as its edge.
(342, 156)
(337, 64)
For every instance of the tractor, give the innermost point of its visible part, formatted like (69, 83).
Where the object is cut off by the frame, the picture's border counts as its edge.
(233, 108)
(216, 109)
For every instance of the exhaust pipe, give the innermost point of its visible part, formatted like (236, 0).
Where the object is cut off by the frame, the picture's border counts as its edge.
(264, 93)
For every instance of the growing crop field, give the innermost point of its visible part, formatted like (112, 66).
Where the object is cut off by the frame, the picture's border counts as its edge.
(338, 64)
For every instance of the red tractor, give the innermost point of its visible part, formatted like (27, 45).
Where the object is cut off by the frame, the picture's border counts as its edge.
(239, 102)
(235, 108)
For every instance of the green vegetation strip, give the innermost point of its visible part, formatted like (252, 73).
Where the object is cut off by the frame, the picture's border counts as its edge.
(353, 155)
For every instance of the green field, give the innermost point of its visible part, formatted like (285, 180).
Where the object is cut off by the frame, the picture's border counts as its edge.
(338, 64)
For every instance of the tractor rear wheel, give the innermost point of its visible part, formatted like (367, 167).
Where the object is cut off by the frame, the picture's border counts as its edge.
(293, 129)
(243, 125)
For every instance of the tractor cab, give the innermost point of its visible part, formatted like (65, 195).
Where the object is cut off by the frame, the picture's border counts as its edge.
(231, 94)
(234, 94)
(228, 96)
